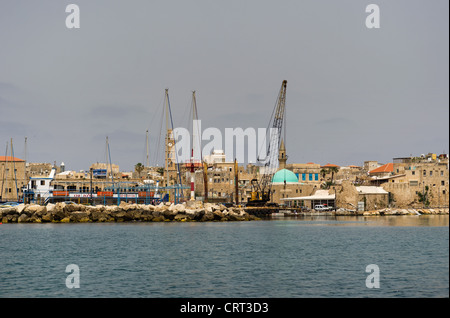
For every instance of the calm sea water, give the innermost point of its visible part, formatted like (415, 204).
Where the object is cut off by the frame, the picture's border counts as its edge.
(306, 257)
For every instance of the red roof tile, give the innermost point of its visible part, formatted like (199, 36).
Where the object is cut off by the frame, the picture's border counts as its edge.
(329, 165)
(10, 159)
(389, 167)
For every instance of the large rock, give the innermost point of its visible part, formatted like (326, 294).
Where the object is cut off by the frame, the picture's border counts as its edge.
(97, 215)
(178, 208)
(119, 216)
(218, 215)
(79, 216)
(19, 208)
(23, 218)
(9, 211)
(31, 209)
(194, 205)
(146, 216)
(58, 213)
(182, 217)
(47, 217)
(133, 215)
(208, 216)
(59, 207)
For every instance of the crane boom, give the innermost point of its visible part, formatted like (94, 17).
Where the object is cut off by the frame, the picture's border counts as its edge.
(261, 193)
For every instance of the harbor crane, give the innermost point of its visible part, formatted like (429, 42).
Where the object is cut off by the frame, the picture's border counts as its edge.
(262, 188)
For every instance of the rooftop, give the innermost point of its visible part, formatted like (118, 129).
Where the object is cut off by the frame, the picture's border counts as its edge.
(329, 165)
(389, 167)
(10, 159)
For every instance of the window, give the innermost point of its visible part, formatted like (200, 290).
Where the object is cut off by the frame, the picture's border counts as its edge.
(442, 173)
(303, 176)
(424, 173)
(316, 176)
(310, 177)
(42, 183)
(413, 173)
(431, 173)
(442, 182)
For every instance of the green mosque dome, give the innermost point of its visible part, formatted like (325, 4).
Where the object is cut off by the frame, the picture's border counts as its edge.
(284, 175)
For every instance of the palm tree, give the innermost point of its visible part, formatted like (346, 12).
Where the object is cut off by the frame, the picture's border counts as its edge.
(333, 170)
(323, 172)
(139, 167)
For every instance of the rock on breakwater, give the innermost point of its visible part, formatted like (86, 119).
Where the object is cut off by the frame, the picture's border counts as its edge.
(398, 211)
(195, 211)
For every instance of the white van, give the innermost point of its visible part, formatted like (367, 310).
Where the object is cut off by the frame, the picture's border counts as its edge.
(321, 207)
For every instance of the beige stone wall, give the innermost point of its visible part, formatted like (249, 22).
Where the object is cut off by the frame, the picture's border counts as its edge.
(416, 176)
(35, 169)
(9, 173)
(346, 196)
(290, 190)
(374, 201)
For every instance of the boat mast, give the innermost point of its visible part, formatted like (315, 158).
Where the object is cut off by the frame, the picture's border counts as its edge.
(146, 142)
(110, 163)
(14, 172)
(194, 111)
(167, 136)
(4, 174)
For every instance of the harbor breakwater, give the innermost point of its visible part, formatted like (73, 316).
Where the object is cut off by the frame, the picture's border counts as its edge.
(195, 211)
(61, 212)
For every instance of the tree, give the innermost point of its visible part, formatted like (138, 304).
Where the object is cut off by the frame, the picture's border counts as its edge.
(423, 197)
(333, 170)
(139, 167)
(323, 172)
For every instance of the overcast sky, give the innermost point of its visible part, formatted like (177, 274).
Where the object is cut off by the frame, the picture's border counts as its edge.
(353, 93)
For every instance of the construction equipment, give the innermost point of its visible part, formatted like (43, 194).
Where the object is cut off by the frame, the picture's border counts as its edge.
(262, 188)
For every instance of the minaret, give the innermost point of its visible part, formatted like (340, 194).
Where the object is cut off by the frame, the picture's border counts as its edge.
(282, 156)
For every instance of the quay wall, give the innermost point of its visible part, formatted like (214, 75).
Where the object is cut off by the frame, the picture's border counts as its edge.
(78, 213)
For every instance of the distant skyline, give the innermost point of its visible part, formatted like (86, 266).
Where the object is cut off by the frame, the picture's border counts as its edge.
(353, 93)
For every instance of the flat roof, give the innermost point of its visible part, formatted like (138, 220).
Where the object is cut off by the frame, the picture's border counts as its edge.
(319, 195)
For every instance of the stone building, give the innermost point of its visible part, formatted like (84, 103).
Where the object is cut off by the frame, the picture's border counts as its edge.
(307, 173)
(12, 178)
(221, 182)
(363, 198)
(285, 184)
(419, 181)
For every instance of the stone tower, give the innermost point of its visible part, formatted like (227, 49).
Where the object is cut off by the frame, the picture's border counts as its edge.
(170, 171)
